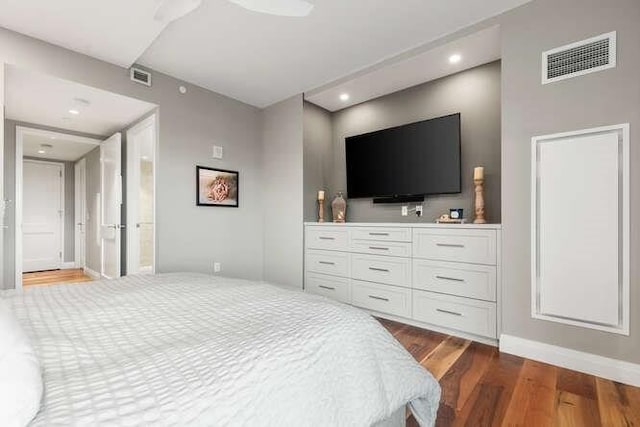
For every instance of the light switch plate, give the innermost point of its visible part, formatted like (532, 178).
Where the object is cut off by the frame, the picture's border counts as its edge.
(218, 152)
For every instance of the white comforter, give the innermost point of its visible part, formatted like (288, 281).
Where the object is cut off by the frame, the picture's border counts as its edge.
(187, 349)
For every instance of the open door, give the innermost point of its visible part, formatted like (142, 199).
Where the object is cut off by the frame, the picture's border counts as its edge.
(111, 221)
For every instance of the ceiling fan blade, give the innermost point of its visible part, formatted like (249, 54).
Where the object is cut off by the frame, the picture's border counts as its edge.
(296, 8)
(170, 10)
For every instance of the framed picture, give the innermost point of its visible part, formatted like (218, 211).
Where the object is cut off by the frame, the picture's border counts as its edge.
(216, 187)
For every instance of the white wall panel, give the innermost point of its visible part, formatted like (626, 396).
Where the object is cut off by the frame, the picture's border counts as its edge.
(581, 220)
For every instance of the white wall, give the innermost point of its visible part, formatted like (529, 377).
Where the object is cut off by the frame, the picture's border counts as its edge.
(282, 192)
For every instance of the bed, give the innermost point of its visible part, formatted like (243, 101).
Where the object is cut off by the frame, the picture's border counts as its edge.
(191, 349)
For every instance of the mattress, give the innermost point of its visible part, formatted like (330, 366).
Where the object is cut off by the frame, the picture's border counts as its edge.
(190, 349)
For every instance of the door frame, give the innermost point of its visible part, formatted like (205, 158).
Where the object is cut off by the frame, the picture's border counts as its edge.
(131, 201)
(21, 131)
(80, 214)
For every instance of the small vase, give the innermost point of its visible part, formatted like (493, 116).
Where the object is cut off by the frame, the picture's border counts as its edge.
(339, 208)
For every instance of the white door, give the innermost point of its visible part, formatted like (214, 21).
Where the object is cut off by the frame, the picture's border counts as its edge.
(141, 143)
(111, 183)
(80, 213)
(42, 215)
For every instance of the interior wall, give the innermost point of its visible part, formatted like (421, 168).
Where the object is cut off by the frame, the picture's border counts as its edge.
(145, 205)
(531, 109)
(69, 207)
(317, 159)
(282, 192)
(475, 93)
(190, 238)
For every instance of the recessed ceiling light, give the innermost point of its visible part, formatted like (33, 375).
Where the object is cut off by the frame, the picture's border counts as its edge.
(41, 151)
(53, 137)
(344, 97)
(455, 58)
(74, 112)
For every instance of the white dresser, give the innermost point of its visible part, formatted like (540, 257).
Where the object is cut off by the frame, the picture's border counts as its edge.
(440, 277)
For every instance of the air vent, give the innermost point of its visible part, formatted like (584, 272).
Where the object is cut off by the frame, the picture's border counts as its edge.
(580, 58)
(141, 76)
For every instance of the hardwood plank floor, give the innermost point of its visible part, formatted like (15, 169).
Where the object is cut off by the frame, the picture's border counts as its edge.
(481, 387)
(40, 278)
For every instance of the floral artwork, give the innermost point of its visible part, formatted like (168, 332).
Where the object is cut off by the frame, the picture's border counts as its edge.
(216, 187)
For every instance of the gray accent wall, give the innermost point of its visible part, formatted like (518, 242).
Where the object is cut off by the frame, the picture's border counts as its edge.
(190, 238)
(317, 158)
(282, 188)
(530, 109)
(474, 93)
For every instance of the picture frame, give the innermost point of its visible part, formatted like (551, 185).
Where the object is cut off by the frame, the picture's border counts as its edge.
(217, 187)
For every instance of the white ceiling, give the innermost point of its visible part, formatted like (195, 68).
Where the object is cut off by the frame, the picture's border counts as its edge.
(256, 58)
(116, 31)
(475, 49)
(63, 147)
(41, 99)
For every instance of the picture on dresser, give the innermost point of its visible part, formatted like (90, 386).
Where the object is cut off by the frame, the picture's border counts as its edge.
(216, 187)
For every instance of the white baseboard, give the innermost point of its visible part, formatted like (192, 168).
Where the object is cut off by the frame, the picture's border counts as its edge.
(93, 274)
(605, 367)
(68, 265)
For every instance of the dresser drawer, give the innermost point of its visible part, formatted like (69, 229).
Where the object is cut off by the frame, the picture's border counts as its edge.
(462, 314)
(402, 249)
(327, 262)
(337, 288)
(392, 234)
(473, 246)
(382, 298)
(381, 269)
(327, 237)
(465, 280)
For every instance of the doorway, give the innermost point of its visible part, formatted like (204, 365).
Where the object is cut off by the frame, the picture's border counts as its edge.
(141, 160)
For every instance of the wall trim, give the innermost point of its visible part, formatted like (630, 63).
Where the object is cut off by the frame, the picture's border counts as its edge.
(605, 367)
(93, 274)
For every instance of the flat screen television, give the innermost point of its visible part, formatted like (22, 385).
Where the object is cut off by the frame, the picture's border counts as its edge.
(416, 159)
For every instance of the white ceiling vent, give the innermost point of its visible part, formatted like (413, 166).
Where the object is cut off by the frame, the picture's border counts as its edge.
(140, 76)
(580, 58)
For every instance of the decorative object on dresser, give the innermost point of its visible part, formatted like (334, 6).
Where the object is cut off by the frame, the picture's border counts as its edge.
(339, 208)
(457, 213)
(436, 276)
(447, 219)
(478, 179)
(321, 206)
(217, 187)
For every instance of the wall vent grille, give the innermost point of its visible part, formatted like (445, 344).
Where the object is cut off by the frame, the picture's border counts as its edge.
(580, 58)
(140, 76)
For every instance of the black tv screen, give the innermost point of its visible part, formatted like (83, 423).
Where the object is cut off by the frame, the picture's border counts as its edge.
(417, 159)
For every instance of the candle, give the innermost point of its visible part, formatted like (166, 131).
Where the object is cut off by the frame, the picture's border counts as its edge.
(320, 195)
(478, 173)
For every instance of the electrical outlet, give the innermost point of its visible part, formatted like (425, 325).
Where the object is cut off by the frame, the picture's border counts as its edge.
(419, 210)
(405, 210)
(217, 267)
(218, 152)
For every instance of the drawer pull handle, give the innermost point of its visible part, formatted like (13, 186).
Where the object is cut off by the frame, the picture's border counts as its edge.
(327, 238)
(379, 298)
(450, 245)
(327, 287)
(378, 234)
(326, 262)
(448, 312)
(378, 269)
(378, 248)
(453, 279)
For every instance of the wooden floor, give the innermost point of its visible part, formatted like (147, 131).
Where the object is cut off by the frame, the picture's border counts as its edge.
(76, 275)
(481, 387)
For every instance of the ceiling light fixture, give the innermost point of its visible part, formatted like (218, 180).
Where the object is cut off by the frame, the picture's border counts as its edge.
(171, 10)
(292, 8)
(41, 152)
(344, 97)
(74, 112)
(455, 58)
